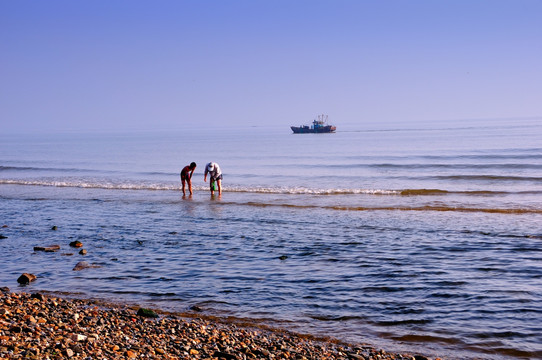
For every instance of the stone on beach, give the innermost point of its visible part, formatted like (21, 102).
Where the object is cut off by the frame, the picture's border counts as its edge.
(79, 337)
(146, 313)
(38, 296)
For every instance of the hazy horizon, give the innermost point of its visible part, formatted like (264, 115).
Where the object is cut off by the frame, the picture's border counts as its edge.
(136, 66)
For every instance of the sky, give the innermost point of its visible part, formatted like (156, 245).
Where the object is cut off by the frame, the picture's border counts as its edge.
(115, 65)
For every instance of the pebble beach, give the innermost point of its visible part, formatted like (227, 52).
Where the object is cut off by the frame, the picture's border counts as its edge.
(38, 326)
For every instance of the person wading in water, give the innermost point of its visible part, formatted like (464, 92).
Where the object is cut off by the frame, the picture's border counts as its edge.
(213, 170)
(186, 176)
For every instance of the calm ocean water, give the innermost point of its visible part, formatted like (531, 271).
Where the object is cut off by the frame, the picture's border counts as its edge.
(424, 238)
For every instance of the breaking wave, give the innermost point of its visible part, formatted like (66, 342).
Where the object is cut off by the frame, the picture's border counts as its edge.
(175, 186)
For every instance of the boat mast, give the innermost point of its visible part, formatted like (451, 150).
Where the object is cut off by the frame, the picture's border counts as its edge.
(322, 119)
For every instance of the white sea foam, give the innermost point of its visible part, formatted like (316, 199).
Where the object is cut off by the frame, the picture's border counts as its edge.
(174, 186)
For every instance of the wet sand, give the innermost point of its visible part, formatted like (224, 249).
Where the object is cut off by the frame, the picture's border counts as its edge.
(42, 326)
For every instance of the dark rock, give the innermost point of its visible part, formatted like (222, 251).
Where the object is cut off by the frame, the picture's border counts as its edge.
(82, 252)
(262, 353)
(283, 257)
(3, 237)
(146, 313)
(421, 357)
(37, 296)
(4, 226)
(26, 278)
(82, 265)
(50, 248)
(195, 308)
(356, 356)
(4, 289)
(16, 329)
(223, 355)
(76, 243)
(54, 228)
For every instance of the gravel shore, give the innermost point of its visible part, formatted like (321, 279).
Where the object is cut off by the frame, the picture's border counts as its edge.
(36, 326)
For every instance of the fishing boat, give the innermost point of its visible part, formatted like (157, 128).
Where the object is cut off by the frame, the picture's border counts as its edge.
(318, 126)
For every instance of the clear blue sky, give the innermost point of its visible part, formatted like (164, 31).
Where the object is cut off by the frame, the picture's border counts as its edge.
(136, 65)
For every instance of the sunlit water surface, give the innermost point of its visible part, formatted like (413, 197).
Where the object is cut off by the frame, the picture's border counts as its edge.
(424, 238)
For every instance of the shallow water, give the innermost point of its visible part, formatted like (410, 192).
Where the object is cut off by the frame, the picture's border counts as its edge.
(423, 239)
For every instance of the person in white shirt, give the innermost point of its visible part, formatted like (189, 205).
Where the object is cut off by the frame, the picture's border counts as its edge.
(213, 170)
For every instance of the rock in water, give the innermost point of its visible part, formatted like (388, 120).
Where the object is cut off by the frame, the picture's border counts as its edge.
(81, 265)
(26, 278)
(84, 265)
(50, 248)
(76, 243)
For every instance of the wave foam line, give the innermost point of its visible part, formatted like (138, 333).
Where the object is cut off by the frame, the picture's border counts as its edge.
(257, 190)
(90, 185)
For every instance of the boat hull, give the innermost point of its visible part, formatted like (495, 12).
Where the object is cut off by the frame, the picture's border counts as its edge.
(310, 130)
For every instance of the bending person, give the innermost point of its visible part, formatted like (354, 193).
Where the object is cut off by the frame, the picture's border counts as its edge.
(213, 170)
(186, 176)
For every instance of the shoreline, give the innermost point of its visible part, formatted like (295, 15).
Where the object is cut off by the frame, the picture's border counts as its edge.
(42, 326)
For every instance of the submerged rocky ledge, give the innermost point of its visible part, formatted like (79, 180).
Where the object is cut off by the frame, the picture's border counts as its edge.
(37, 326)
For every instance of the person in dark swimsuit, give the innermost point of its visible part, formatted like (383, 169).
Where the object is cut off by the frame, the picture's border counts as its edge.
(186, 176)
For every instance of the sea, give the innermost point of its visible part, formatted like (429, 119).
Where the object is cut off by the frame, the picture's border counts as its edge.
(422, 237)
